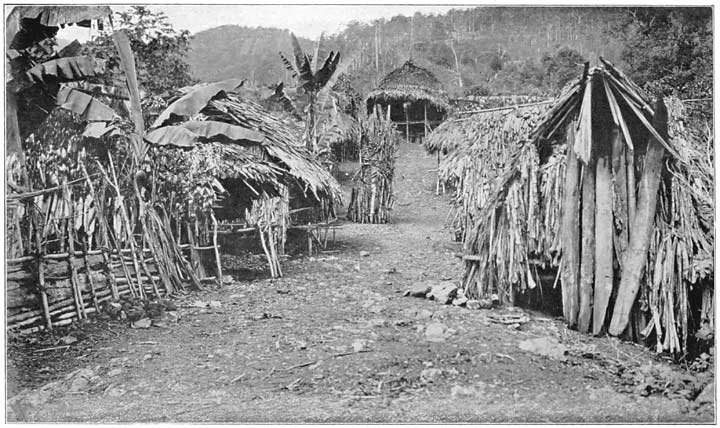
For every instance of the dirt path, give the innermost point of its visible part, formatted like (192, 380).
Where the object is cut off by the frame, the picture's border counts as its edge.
(334, 340)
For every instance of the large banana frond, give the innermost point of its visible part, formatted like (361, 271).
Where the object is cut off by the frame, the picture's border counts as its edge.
(302, 62)
(66, 69)
(338, 70)
(187, 134)
(196, 100)
(327, 70)
(289, 65)
(316, 55)
(84, 105)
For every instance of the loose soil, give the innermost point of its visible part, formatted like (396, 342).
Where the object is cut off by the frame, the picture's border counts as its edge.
(335, 341)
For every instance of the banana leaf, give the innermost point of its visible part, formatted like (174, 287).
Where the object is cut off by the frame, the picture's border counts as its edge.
(191, 132)
(196, 100)
(86, 106)
(66, 69)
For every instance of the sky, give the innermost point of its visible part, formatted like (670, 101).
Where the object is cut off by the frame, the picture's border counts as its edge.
(304, 20)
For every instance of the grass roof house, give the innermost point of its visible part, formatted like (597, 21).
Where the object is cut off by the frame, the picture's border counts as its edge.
(615, 194)
(415, 98)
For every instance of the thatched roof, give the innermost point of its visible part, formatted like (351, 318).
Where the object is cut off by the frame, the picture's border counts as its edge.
(272, 151)
(410, 83)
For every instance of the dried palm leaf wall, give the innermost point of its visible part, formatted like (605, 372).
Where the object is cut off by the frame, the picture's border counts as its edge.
(475, 149)
(616, 194)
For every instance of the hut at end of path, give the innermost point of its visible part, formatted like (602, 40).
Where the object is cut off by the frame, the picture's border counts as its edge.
(414, 98)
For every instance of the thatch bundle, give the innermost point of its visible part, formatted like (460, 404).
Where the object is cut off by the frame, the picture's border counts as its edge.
(568, 199)
(475, 149)
(372, 195)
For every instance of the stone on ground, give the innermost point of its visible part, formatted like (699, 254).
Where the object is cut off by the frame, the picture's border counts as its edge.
(419, 290)
(444, 292)
(546, 346)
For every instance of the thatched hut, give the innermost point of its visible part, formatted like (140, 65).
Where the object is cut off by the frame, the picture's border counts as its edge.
(250, 165)
(615, 195)
(415, 99)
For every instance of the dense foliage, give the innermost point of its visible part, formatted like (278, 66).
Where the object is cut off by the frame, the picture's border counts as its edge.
(160, 51)
(670, 49)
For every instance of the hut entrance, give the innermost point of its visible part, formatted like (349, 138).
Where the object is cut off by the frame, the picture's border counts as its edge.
(414, 99)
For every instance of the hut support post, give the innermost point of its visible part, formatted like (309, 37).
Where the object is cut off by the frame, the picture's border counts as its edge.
(603, 242)
(407, 125)
(642, 226)
(570, 232)
(217, 248)
(620, 201)
(587, 256)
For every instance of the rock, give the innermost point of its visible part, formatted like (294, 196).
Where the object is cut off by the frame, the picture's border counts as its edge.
(419, 290)
(68, 340)
(169, 305)
(114, 372)
(227, 279)
(377, 322)
(115, 391)
(479, 304)
(463, 391)
(435, 332)
(546, 346)
(79, 380)
(364, 254)
(707, 396)
(359, 345)
(443, 292)
(423, 314)
(429, 375)
(143, 323)
(215, 304)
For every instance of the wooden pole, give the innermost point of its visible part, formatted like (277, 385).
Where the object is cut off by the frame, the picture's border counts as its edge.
(215, 245)
(407, 124)
(70, 227)
(570, 232)
(88, 273)
(642, 225)
(620, 199)
(41, 271)
(587, 252)
(603, 242)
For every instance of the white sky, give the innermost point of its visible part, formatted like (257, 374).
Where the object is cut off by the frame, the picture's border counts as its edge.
(304, 20)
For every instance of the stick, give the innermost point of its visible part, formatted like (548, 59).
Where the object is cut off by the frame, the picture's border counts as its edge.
(41, 272)
(37, 351)
(309, 363)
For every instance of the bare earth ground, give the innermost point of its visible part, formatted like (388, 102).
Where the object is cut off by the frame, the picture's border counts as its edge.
(335, 341)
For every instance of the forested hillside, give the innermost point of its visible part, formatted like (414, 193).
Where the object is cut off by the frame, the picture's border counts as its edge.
(484, 50)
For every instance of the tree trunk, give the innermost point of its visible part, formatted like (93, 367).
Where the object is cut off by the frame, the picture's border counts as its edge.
(603, 242)
(457, 63)
(642, 226)
(587, 256)
(570, 231)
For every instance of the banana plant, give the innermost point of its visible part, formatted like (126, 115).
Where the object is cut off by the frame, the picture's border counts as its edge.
(314, 79)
